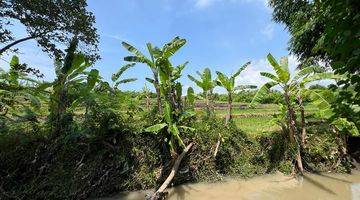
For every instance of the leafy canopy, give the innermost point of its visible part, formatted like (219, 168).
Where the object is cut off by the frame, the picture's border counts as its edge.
(327, 31)
(51, 23)
(290, 85)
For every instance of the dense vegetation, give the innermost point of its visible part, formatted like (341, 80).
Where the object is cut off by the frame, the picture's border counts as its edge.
(80, 136)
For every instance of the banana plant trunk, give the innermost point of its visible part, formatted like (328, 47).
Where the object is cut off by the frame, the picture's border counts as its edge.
(207, 104)
(58, 111)
(303, 122)
(211, 103)
(158, 97)
(229, 116)
(292, 132)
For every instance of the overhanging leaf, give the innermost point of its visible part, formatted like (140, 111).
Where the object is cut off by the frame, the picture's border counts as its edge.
(156, 128)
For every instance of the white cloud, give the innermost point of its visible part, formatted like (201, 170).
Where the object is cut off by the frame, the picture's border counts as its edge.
(203, 3)
(268, 31)
(251, 75)
(207, 3)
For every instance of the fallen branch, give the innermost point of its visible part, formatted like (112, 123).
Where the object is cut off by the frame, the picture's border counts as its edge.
(217, 146)
(159, 193)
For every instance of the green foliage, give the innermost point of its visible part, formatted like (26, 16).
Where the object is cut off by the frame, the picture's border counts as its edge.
(293, 85)
(229, 82)
(20, 94)
(115, 77)
(327, 31)
(71, 87)
(205, 83)
(49, 25)
(345, 126)
(323, 99)
(110, 143)
(190, 98)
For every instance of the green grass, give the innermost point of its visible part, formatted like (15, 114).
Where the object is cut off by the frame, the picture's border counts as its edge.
(269, 111)
(256, 121)
(262, 108)
(256, 125)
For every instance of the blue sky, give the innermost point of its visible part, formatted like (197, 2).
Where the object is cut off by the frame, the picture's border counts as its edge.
(220, 34)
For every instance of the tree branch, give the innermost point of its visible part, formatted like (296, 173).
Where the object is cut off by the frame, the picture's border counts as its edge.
(157, 195)
(5, 48)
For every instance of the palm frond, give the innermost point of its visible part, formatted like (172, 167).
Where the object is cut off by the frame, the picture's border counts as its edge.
(270, 75)
(242, 68)
(122, 69)
(283, 74)
(307, 71)
(263, 91)
(173, 46)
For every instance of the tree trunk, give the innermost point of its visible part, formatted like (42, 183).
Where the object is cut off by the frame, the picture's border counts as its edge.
(158, 97)
(292, 132)
(207, 102)
(229, 116)
(211, 103)
(7, 47)
(160, 192)
(303, 123)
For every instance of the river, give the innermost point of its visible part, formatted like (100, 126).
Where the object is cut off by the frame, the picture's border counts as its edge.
(325, 186)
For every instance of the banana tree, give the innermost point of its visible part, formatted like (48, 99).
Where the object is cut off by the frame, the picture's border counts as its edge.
(171, 89)
(158, 58)
(171, 127)
(71, 85)
(174, 115)
(190, 98)
(115, 77)
(304, 77)
(139, 57)
(206, 84)
(17, 88)
(288, 86)
(228, 83)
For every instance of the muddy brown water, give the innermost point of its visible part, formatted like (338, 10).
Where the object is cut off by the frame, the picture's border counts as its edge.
(274, 186)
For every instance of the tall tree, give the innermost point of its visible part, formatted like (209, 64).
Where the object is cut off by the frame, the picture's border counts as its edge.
(51, 23)
(228, 83)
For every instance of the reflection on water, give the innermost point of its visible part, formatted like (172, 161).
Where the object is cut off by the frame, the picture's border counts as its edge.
(274, 186)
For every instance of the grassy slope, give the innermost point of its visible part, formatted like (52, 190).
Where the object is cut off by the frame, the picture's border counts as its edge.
(256, 125)
(261, 124)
